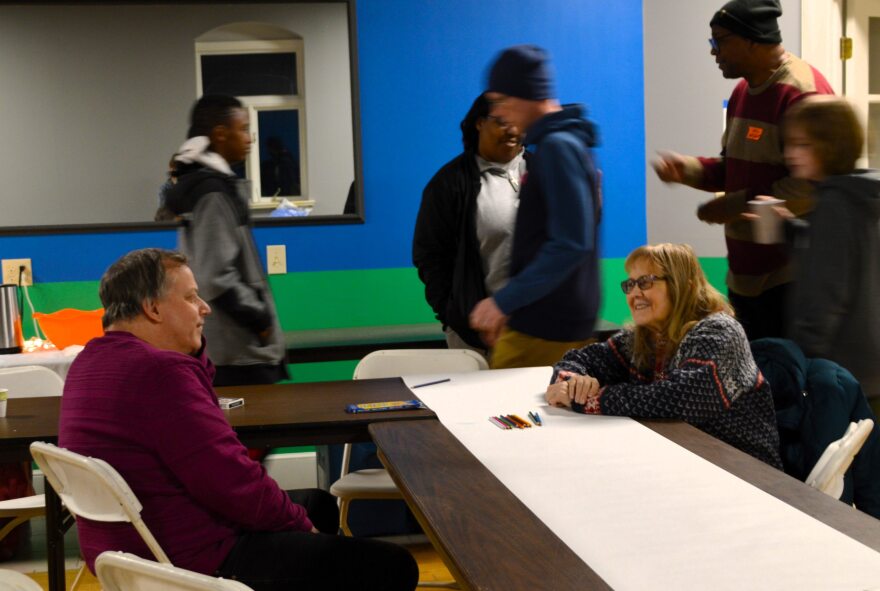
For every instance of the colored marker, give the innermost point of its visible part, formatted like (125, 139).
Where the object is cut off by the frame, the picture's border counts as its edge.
(512, 423)
(520, 423)
(506, 421)
(498, 423)
(538, 419)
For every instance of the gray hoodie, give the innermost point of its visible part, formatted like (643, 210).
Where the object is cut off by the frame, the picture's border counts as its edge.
(216, 237)
(835, 312)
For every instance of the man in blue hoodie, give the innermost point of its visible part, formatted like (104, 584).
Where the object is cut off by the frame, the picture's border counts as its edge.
(551, 301)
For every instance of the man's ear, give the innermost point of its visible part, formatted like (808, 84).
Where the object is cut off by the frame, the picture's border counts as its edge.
(218, 134)
(151, 311)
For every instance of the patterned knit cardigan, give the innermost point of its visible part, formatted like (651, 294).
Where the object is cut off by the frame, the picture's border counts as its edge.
(711, 382)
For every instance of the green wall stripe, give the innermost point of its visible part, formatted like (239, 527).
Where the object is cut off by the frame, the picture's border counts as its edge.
(343, 299)
(327, 371)
(613, 308)
(715, 269)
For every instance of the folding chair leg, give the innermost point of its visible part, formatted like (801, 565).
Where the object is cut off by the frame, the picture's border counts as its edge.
(79, 575)
(343, 516)
(15, 522)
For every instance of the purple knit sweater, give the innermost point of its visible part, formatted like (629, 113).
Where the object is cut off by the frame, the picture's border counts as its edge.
(153, 416)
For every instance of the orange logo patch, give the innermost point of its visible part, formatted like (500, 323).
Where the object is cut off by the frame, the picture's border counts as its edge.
(754, 133)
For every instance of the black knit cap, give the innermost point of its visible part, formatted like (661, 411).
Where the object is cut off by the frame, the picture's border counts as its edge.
(752, 19)
(523, 71)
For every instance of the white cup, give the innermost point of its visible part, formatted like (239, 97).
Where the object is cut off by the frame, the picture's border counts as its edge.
(767, 227)
(4, 394)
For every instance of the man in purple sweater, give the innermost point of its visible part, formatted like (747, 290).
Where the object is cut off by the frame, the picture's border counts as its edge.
(140, 398)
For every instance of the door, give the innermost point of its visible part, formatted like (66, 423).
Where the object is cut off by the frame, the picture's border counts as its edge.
(863, 71)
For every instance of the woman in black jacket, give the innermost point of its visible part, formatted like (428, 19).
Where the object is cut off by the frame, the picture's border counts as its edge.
(464, 228)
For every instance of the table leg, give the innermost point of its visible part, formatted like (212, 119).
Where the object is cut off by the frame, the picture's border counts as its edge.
(55, 539)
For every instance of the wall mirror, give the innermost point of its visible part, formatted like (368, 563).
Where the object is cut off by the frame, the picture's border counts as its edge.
(95, 99)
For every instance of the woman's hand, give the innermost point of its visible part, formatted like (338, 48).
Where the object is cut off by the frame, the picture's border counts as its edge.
(571, 387)
(557, 395)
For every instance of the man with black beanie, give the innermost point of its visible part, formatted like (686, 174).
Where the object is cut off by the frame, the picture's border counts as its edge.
(746, 43)
(551, 301)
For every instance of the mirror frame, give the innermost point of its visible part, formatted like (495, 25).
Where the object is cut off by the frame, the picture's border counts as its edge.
(318, 220)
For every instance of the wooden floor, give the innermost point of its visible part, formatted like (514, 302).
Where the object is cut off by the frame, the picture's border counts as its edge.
(431, 569)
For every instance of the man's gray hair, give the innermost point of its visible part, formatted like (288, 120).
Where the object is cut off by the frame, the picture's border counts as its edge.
(137, 277)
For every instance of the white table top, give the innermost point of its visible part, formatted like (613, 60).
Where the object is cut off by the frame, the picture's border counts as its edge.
(643, 512)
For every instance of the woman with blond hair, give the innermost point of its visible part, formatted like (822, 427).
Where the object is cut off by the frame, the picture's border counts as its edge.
(686, 358)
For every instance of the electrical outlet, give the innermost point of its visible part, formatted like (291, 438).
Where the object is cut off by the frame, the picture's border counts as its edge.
(11, 270)
(276, 259)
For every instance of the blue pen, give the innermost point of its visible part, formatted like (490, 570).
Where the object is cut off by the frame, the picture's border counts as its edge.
(432, 383)
(538, 418)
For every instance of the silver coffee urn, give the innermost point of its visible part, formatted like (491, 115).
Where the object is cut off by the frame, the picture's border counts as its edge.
(11, 339)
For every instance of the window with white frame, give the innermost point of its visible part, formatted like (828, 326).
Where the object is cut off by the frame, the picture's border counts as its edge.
(267, 77)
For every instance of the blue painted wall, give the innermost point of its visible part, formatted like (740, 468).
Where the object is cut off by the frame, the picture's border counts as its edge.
(421, 64)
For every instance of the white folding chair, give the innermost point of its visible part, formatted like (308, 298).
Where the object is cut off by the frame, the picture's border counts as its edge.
(827, 474)
(11, 580)
(120, 571)
(91, 488)
(27, 381)
(376, 483)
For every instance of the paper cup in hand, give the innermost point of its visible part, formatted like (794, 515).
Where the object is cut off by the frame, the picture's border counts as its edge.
(767, 227)
(4, 394)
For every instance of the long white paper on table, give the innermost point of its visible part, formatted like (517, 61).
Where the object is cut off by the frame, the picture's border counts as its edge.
(642, 511)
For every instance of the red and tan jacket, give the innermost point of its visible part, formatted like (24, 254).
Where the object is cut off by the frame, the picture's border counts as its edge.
(751, 163)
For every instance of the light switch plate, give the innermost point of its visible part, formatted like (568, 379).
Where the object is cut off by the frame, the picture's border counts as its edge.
(276, 259)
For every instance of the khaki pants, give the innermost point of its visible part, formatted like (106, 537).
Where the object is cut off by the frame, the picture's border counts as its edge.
(516, 349)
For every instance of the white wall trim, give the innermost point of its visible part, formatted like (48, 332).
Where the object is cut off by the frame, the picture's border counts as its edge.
(821, 30)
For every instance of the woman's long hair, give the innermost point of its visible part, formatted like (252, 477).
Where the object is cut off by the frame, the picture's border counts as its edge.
(691, 296)
(470, 137)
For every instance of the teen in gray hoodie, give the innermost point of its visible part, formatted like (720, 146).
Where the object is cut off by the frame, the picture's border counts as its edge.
(245, 340)
(836, 311)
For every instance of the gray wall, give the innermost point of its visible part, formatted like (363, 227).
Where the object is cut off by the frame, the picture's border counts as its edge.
(97, 99)
(684, 93)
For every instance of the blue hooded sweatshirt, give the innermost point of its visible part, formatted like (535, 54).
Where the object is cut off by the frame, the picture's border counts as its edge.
(553, 292)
